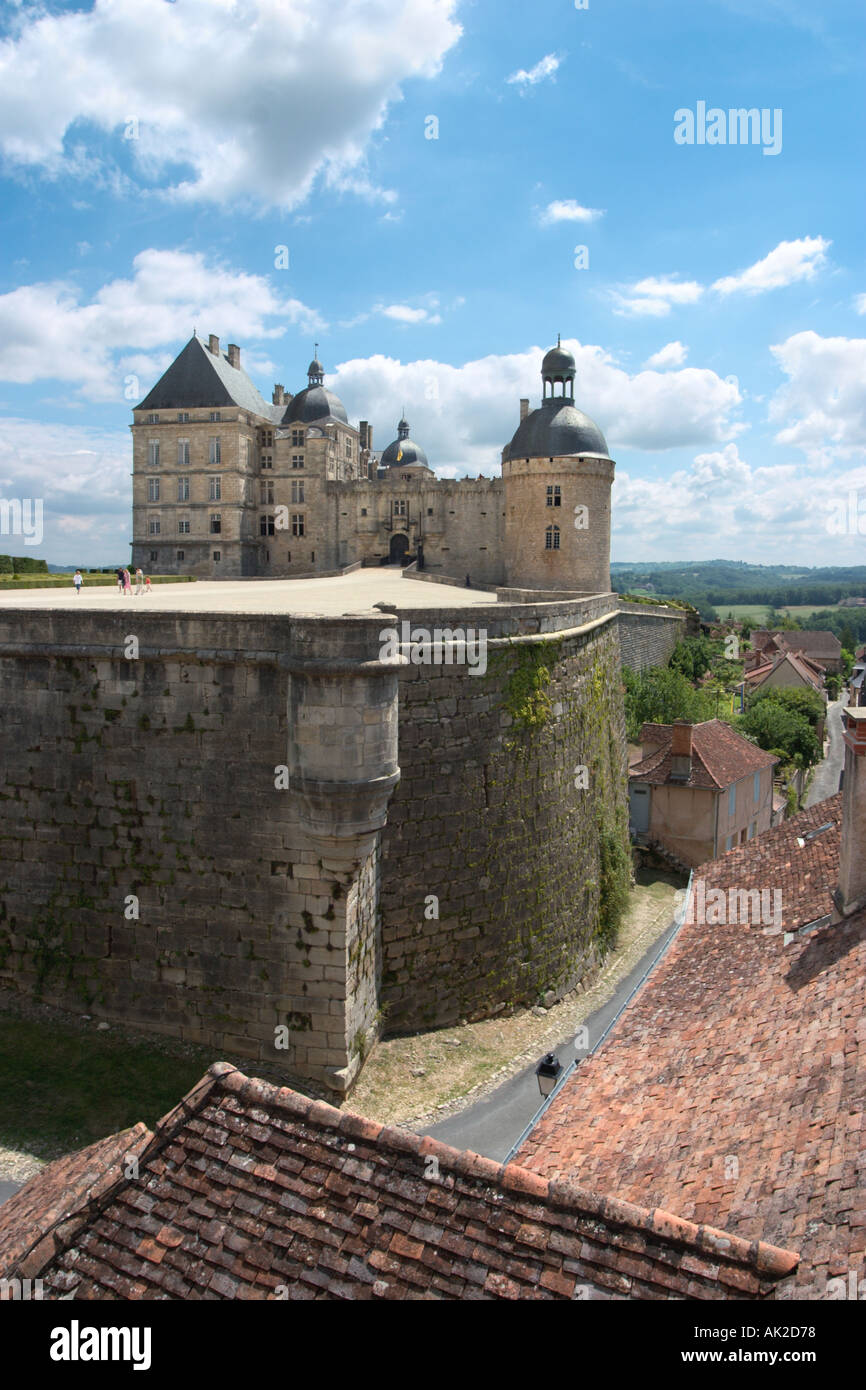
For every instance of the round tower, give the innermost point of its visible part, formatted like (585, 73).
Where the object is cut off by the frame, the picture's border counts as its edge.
(557, 475)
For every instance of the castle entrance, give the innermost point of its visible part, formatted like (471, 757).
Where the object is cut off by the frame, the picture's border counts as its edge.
(399, 546)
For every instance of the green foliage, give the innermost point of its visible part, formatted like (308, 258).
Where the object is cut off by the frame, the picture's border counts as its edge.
(614, 881)
(807, 703)
(833, 682)
(693, 656)
(778, 729)
(661, 695)
(525, 693)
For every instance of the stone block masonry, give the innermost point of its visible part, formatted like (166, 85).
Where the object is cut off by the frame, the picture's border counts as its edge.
(214, 839)
(649, 633)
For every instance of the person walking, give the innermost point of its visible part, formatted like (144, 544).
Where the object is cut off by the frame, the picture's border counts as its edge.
(139, 580)
(120, 581)
(127, 582)
(77, 580)
(147, 585)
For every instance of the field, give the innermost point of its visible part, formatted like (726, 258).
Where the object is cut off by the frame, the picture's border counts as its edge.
(755, 613)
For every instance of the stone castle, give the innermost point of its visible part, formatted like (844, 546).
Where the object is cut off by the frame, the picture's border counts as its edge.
(227, 486)
(273, 834)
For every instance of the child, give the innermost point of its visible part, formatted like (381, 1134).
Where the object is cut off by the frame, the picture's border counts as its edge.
(147, 585)
(77, 580)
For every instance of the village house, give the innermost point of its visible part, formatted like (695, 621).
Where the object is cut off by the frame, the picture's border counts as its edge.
(699, 789)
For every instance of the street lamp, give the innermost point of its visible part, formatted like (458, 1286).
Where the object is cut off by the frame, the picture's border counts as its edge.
(548, 1072)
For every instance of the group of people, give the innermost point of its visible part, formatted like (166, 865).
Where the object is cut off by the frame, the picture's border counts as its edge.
(124, 581)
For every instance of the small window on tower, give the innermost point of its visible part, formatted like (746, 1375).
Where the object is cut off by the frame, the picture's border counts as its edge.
(551, 538)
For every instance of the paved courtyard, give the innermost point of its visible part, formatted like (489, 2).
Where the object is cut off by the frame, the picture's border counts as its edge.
(346, 593)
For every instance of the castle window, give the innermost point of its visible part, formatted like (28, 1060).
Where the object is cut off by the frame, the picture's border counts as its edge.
(183, 489)
(266, 492)
(297, 460)
(288, 557)
(153, 489)
(181, 555)
(183, 528)
(153, 527)
(217, 556)
(554, 496)
(297, 489)
(248, 446)
(215, 489)
(297, 523)
(153, 454)
(429, 511)
(267, 460)
(400, 506)
(154, 555)
(213, 451)
(348, 446)
(266, 526)
(216, 524)
(406, 476)
(297, 438)
(215, 416)
(313, 556)
(551, 538)
(183, 417)
(183, 453)
(267, 439)
(153, 420)
(363, 511)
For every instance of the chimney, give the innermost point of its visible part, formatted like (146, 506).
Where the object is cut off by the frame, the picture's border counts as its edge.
(279, 396)
(234, 355)
(366, 432)
(213, 344)
(681, 751)
(524, 407)
(851, 893)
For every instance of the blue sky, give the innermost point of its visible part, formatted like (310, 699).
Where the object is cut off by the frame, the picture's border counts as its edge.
(154, 156)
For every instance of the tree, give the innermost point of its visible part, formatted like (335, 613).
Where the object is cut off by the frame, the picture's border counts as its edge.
(659, 696)
(780, 730)
(807, 703)
(693, 656)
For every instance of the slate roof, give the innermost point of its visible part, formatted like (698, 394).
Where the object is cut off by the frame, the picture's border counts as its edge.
(199, 380)
(556, 430)
(731, 1090)
(246, 1187)
(720, 756)
(314, 403)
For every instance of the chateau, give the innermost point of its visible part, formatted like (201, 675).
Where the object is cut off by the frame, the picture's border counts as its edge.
(226, 485)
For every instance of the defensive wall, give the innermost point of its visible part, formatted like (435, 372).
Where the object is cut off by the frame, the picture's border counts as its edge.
(259, 833)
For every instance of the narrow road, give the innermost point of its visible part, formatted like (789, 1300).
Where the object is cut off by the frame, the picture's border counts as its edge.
(493, 1125)
(827, 774)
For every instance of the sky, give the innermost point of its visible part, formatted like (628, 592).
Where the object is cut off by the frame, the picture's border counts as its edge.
(432, 190)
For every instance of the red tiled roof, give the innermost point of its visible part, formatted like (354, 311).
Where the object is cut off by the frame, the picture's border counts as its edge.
(251, 1191)
(720, 756)
(732, 1089)
(807, 670)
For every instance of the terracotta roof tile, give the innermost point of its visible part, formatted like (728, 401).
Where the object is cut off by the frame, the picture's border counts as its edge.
(720, 756)
(731, 1090)
(296, 1193)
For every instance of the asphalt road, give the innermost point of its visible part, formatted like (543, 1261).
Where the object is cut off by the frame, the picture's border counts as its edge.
(493, 1125)
(7, 1189)
(826, 780)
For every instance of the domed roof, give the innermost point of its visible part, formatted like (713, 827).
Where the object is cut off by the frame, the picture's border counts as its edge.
(556, 430)
(314, 403)
(558, 363)
(410, 453)
(315, 368)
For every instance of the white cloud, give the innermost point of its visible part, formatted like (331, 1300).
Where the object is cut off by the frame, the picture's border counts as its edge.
(567, 210)
(823, 403)
(545, 67)
(48, 331)
(671, 355)
(787, 263)
(654, 296)
(234, 99)
(860, 304)
(82, 477)
(403, 313)
(462, 416)
(722, 505)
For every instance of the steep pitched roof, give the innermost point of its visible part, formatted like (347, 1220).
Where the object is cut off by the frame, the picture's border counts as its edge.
(813, 641)
(246, 1188)
(731, 1090)
(720, 756)
(199, 379)
(806, 670)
